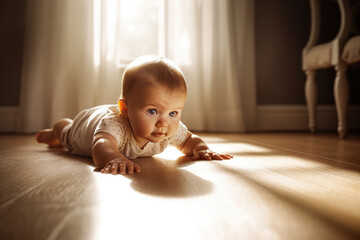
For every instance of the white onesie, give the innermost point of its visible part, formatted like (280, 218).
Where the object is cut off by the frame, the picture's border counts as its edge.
(78, 136)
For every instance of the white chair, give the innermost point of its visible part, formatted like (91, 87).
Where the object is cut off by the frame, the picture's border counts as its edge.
(351, 52)
(318, 56)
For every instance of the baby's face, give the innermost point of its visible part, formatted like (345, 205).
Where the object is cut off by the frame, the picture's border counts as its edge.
(154, 112)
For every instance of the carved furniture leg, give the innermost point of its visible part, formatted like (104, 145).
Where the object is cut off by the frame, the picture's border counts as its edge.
(311, 98)
(341, 94)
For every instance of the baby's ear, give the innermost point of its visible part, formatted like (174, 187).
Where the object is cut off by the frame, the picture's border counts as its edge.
(123, 107)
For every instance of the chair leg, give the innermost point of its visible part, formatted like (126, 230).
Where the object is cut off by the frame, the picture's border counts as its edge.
(341, 94)
(311, 98)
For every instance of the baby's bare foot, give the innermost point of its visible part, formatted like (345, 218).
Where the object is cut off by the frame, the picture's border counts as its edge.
(47, 136)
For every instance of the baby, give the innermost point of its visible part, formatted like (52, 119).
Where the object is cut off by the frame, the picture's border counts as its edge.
(145, 121)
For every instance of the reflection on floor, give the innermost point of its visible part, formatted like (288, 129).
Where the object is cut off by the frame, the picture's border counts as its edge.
(278, 186)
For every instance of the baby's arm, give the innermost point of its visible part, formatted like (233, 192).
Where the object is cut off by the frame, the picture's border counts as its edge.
(194, 145)
(106, 155)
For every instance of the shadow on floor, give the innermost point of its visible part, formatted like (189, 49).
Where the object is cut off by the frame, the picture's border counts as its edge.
(158, 177)
(165, 178)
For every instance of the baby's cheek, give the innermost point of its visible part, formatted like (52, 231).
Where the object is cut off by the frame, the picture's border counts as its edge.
(172, 129)
(141, 127)
(144, 129)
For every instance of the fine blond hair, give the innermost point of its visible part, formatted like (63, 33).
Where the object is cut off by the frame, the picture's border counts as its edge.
(153, 70)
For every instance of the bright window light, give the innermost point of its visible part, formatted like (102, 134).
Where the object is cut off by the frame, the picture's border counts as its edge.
(97, 31)
(124, 30)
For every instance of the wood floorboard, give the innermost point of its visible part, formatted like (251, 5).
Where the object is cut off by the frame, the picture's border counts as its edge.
(278, 186)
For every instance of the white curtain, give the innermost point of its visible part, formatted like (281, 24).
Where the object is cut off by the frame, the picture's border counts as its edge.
(69, 63)
(202, 37)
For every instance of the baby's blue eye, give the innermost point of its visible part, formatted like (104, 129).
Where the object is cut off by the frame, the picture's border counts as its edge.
(152, 111)
(173, 114)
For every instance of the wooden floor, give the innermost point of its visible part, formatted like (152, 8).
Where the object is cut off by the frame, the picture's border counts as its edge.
(278, 186)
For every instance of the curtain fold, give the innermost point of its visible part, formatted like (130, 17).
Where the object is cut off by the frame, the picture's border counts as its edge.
(60, 76)
(201, 37)
(71, 60)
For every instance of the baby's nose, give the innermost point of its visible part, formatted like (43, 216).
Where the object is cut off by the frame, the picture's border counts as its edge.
(162, 123)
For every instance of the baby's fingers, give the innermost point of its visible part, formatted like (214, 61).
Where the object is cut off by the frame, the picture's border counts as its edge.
(216, 156)
(130, 168)
(136, 168)
(201, 156)
(114, 169)
(106, 169)
(122, 168)
(226, 156)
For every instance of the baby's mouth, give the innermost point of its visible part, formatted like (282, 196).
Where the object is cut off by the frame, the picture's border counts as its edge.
(159, 134)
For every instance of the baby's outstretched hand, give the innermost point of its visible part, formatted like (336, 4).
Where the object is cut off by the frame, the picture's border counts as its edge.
(210, 155)
(120, 166)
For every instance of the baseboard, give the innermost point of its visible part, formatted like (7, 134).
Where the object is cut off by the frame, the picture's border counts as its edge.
(295, 117)
(8, 118)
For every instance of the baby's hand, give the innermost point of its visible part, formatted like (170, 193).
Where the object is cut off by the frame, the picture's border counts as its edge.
(210, 155)
(120, 166)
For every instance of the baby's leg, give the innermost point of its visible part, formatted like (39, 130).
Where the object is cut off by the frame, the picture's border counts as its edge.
(52, 136)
